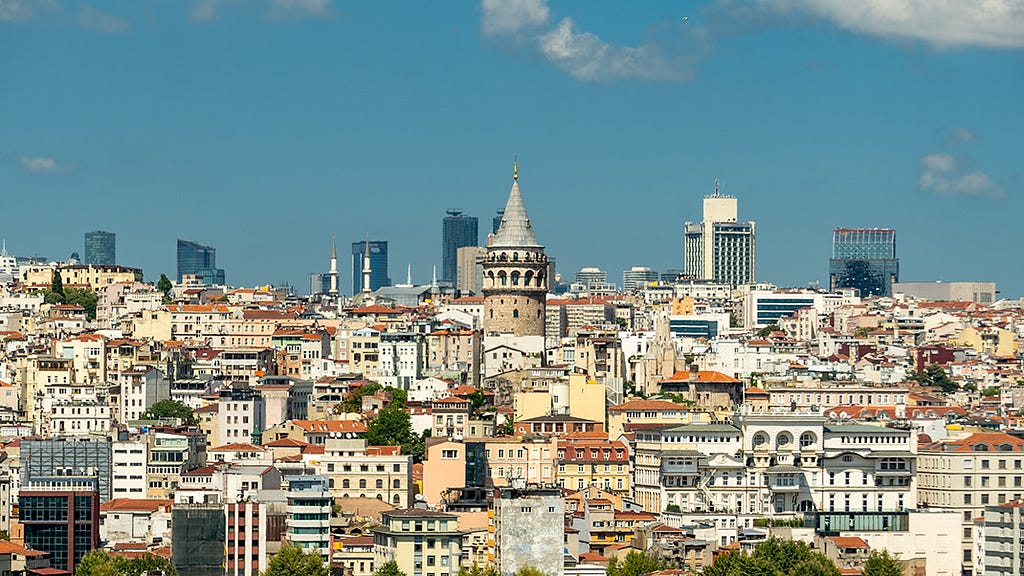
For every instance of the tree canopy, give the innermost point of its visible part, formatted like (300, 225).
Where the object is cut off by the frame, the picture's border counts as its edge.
(637, 564)
(773, 557)
(354, 399)
(292, 561)
(99, 563)
(164, 286)
(170, 409)
(935, 375)
(882, 564)
(391, 569)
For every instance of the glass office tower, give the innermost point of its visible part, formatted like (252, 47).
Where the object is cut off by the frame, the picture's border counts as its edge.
(459, 230)
(865, 259)
(100, 248)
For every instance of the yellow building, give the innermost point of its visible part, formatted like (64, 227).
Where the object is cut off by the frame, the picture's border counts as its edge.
(590, 460)
(988, 340)
(422, 542)
(94, 276)
(639, 413)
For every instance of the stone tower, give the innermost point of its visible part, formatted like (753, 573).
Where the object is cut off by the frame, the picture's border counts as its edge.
(515, 282)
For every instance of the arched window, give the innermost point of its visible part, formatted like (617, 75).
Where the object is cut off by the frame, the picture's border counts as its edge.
(783, 439)
(515, 313)
(528, 280)
(502, 279)
(806, 439)
(515, 278)
(395, 499)
(380, 483)
(397, 483)
(515, 256)
(362, 483)
(344, 483)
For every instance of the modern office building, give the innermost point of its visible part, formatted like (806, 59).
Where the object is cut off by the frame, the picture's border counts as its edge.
(865, 259)
(496, 223)
(719, 247)
(308, 518)
(638, 277)
(198, 260)
(100, 248)
(378, 264)
(591, 276)
(66, 457)
(459, 230)
(980, 292)
(60, 515)
(319, 283)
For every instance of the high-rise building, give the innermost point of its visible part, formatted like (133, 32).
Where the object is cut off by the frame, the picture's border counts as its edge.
(865, 259)
(719, 248)
(469, 272)
(319, 283)
(529, 528)
(198, 260)
(100, 248)
(515, 273)
(309, 514)
(459, 230)
(378, 264)
(42, 459)
(589, 276)
(496, 222)
(638, 277)
(60, 515)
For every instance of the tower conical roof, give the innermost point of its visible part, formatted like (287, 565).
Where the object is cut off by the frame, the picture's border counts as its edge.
(515, 229)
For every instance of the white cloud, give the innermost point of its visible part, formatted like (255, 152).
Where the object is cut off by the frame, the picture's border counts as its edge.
(962, 135)
(941, 23)
(507, 17)
(93, 19)
(586, 57)
(21, 10)
(39, 164)
(209, 10)
(940, 174)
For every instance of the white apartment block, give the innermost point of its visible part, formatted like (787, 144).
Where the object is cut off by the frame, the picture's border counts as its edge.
(128, 469)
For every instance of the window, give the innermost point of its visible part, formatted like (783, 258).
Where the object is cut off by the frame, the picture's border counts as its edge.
(449, 454)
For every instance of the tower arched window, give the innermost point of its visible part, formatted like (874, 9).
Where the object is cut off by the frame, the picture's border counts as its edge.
(515, 313)
(362, 483)
(515, 278)
(515, 256)
(380, 483)
(528, 280)
(502, 278)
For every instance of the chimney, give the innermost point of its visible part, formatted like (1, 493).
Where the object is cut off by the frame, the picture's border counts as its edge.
(694, 372)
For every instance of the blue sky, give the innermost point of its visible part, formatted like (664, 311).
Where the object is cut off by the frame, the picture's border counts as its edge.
(264, 127)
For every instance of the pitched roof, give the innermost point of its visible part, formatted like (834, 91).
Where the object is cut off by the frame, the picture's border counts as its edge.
(135, 505)
(647, 405)
(702, 376)
(515, 230)
(848, 542)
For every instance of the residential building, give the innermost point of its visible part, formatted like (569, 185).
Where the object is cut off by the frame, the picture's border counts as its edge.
(100, 248)
(979, 292)
(241, 414)
(968, 473)
(720, 248)
(529, 529)
(459, 230)
(309, 514)
(350, 468)
(586, 460)
(864, 259)
(422, 542)
(195, 259)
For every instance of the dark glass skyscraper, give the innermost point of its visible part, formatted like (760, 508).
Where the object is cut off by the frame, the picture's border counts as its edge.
(865, 259)
(496, 223)
(100, 248)
(194, 258)
(459, 231)
(378, 265)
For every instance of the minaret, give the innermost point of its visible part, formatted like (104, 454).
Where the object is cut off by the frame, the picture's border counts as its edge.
(515, 282)
(334, 267)
(366, 266)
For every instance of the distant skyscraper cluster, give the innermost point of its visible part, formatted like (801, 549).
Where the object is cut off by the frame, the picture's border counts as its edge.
(720, 248)
(459, 230)
(198, 260)
(100, 248)
(865, 259)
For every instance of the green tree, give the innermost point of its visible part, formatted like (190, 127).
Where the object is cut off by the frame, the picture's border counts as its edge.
(477, 570)
(398, 396)
(292, 561)
(99, 563)
(477, 399)
(935, 375)
(354, 399)
(529, 571)
(767, 330)
(990, 391)
(391, 569)
(170, 409)
(51, 297)
(83, 297)
(816, 565)
(882, 564)
(636, 564)
(393, 427)
(773, 557)
(57, 283)
(164, 286)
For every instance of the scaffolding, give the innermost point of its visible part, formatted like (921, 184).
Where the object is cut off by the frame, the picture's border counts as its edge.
(198, 539)
(66, 457)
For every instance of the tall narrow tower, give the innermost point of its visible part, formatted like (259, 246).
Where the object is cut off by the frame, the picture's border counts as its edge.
(367, 270)
(515, 281)
(334, 267)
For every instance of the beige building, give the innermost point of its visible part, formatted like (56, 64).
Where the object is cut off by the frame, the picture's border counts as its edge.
(443, 468)
(533, 460)
(354, 469)
(454, 350)
(469, 269)
(93, 275)
(641, 413)
(421, 542)
(968, 473)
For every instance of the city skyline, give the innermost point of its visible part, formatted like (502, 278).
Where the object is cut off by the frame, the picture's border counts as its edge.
(813, 118)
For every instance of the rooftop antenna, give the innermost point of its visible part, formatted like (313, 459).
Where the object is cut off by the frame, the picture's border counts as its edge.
(716, 187)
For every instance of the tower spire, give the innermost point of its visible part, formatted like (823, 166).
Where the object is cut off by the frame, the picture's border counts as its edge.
(515, 168)
(334, 266)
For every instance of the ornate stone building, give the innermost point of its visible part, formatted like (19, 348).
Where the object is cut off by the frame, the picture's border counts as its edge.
(515, 282)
